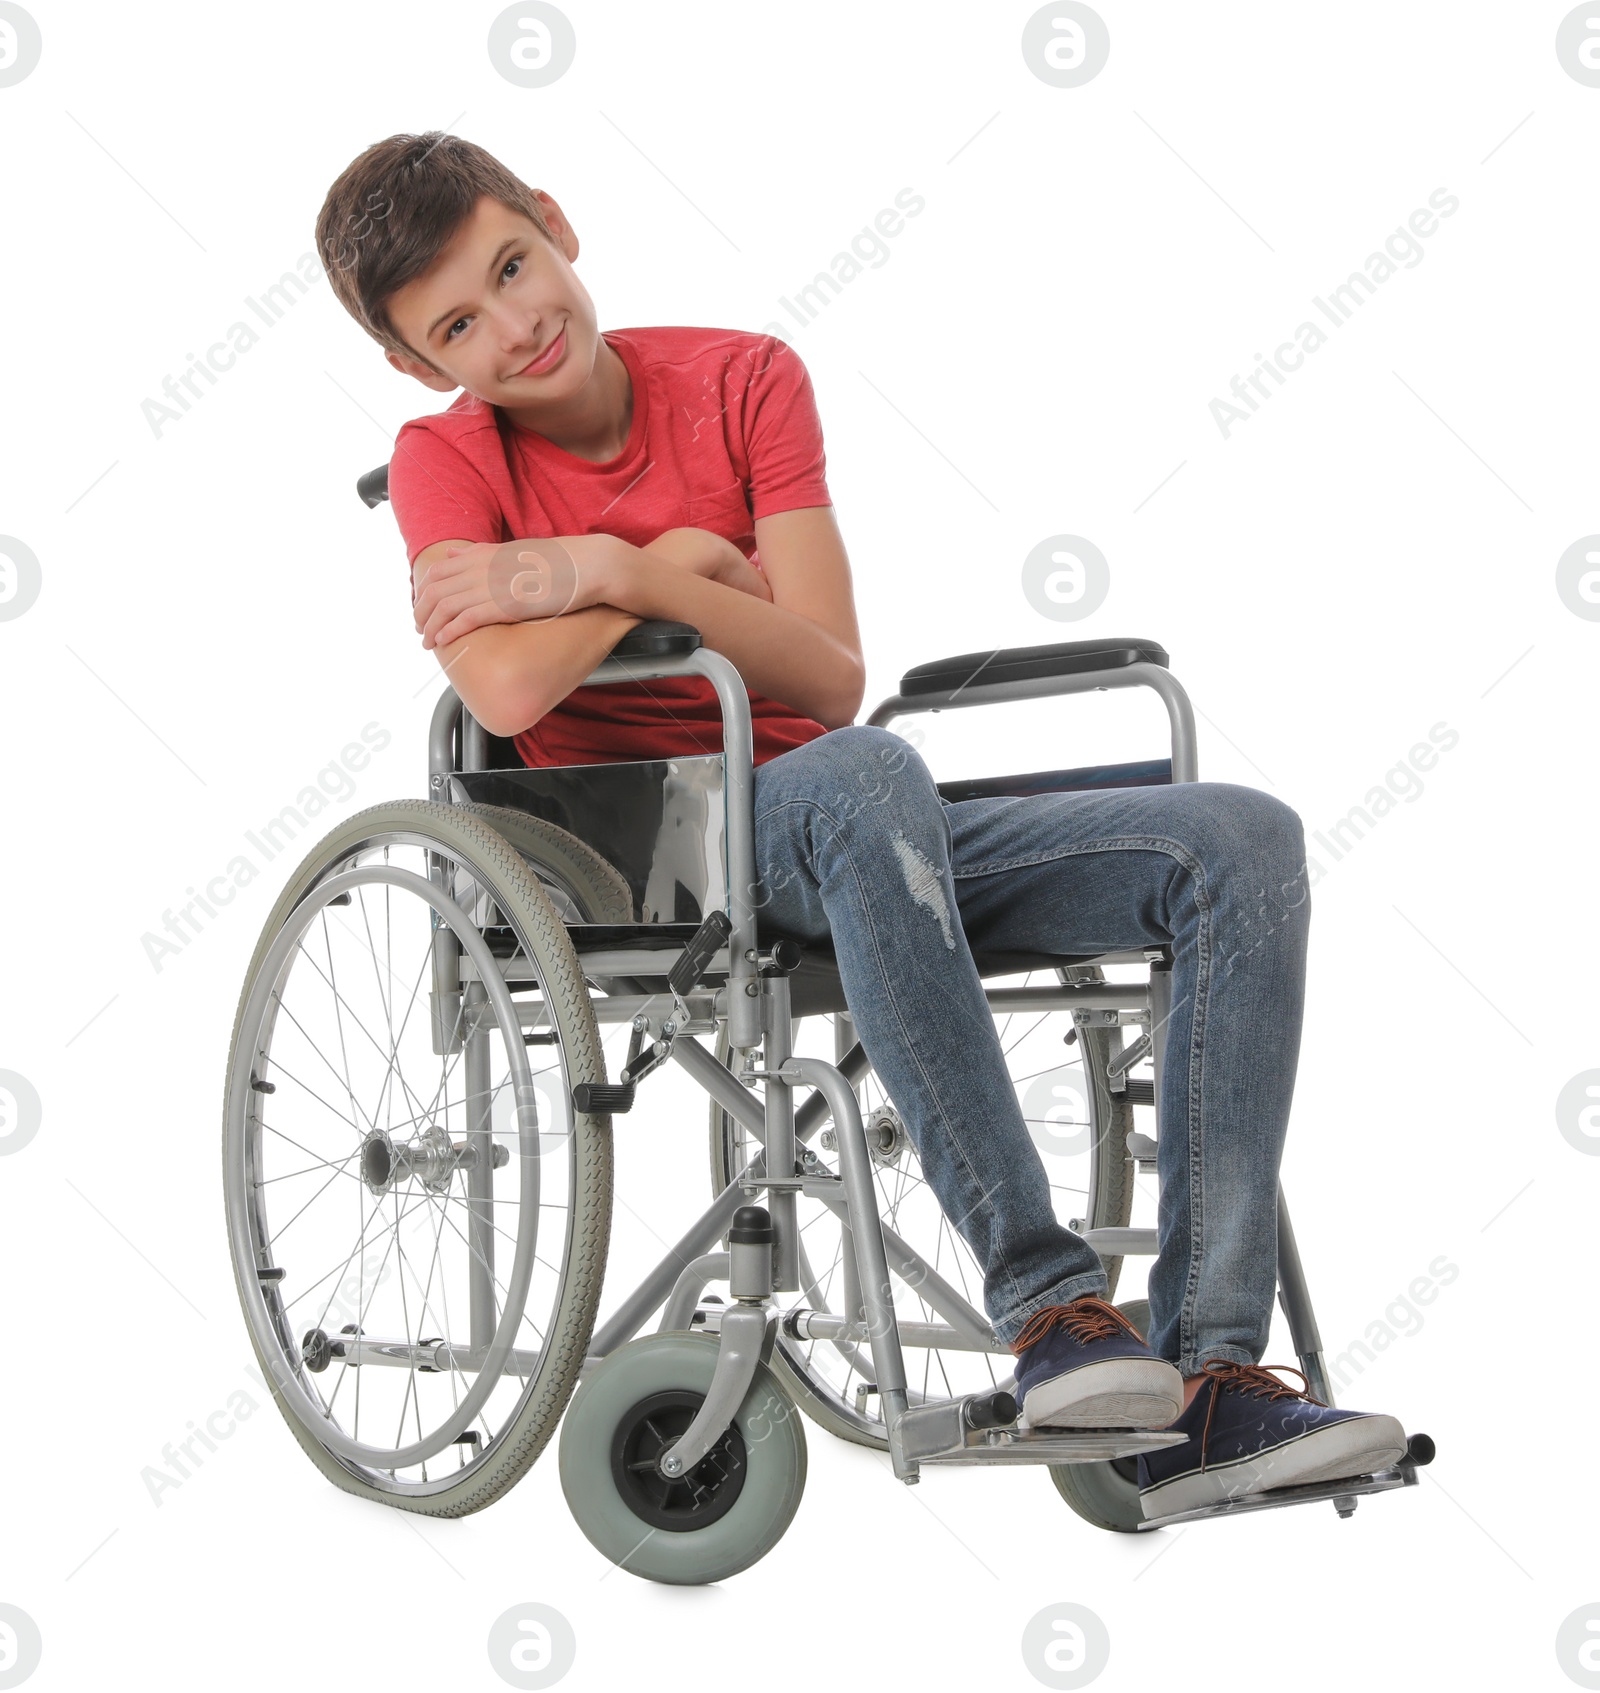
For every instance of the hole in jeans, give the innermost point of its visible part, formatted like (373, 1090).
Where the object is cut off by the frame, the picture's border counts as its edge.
(923, 880)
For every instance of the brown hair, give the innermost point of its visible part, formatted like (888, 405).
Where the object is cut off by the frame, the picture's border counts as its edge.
(393, 212)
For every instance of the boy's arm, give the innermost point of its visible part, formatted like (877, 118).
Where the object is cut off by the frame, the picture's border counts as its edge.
(510, 674)
(803, 647)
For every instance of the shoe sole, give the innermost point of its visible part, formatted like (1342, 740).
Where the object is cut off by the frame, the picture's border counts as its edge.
(1120, 1393)
(1358, 1446)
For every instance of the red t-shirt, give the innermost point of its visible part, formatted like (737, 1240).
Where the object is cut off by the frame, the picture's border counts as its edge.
(725, 430)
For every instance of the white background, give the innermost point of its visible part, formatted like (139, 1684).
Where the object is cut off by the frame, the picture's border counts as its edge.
(1373, 553)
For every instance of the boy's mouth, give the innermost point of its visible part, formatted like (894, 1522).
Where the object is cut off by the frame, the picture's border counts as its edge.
(548, 359)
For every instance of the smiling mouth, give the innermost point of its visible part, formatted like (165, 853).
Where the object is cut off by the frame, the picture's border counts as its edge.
(536, 365)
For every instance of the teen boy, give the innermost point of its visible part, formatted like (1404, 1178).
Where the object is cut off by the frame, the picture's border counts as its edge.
(681, 472)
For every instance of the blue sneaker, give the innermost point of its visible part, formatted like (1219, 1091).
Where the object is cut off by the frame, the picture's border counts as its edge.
(1249, 1433)
(1084, 1365)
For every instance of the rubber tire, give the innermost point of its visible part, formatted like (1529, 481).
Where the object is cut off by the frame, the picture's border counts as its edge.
(1096, 1491)
(597, 886)
(775, 1448)
(1111, 1206)
(592, 1176)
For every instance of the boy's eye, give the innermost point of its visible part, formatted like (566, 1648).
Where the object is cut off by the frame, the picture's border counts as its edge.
(516, 259)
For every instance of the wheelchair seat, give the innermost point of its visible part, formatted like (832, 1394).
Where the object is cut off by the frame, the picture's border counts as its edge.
(815, 987)
(660, 822)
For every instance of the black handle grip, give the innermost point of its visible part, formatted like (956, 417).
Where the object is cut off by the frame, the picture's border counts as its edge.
(374, 486)
(703, 946)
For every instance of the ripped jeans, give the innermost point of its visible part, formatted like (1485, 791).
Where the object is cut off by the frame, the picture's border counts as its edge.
(855, 845)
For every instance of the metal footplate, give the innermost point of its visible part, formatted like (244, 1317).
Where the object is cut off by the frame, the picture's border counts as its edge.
(1343, 1492)
(980, 1429)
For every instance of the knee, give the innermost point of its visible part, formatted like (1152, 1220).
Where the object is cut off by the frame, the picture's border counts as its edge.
(1273, 823)
(869, 771)
(1256, 835)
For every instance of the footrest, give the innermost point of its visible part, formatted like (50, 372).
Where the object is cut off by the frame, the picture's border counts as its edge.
(944, 1433)
(602, 1098)
(1404, 1474)
(1051, 1446)
(1121, 1243)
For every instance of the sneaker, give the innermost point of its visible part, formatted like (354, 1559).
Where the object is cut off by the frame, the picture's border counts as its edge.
(1084, 1365)
(1249, 1433)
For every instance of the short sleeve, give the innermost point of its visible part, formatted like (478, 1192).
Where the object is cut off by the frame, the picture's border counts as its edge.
(783, 434)
(436, 495)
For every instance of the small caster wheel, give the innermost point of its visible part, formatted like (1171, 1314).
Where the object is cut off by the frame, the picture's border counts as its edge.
(1107, 1494)
(727, 1512)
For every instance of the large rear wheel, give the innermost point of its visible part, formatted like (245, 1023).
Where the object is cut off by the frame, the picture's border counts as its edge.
(417, 1213)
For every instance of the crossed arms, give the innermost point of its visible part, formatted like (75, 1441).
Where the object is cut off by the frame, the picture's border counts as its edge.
(790, 629)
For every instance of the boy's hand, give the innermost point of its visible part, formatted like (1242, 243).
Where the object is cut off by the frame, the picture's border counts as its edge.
(512, 582)
(712, 556)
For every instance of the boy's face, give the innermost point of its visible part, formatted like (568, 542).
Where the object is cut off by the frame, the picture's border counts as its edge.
(499, 297)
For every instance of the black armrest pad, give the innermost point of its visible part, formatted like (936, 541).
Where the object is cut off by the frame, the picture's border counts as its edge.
(657, 639)
(1026, 664)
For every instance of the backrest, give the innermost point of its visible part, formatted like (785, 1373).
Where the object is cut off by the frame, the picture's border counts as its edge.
(503, 754)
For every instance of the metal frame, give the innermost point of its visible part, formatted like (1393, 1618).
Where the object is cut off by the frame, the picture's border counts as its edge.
(756, 1008)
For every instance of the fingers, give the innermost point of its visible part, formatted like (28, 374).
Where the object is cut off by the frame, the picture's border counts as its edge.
(445, 588)
(452, 624)
(443, 613)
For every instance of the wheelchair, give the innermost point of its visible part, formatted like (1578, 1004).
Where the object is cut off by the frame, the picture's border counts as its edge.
(418, 1157)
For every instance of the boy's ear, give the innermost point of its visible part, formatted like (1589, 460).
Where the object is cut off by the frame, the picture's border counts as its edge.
(424, 373)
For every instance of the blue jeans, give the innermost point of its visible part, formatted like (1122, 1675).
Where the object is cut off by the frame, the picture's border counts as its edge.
(854, 844)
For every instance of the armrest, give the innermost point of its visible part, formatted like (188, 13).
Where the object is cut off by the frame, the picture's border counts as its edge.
(656, 638)
(1024, 664)
(1031, 673)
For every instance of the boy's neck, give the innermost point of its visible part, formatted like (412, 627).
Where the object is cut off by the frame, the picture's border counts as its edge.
(595, 422)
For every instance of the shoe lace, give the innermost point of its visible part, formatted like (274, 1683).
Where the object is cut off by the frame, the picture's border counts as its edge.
(1254, 1379)
(1084, 1319)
